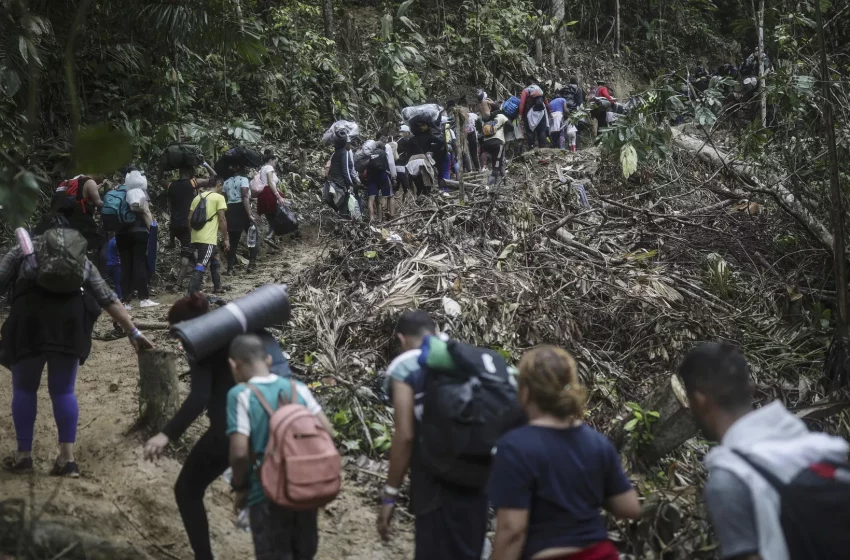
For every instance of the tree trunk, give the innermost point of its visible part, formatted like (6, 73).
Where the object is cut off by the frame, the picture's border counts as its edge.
(836, 365)
(759, 21)
(617, 25)
(328, 13)
(674, 426)
(557, 12)
(462, 149)
(538, 51)
(159, 396)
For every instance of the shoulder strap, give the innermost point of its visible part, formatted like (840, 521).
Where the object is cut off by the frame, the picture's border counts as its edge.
(293, 392)
(261, 398)
(771, 478)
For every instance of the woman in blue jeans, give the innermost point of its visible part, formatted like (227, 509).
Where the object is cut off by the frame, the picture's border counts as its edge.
(52, 329)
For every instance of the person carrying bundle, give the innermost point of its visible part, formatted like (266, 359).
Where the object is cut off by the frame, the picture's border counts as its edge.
(342, 179)
(181, 193)
(534, 109)
(420, 166)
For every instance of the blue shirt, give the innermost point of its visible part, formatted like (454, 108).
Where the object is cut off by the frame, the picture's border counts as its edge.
(112, 258)
(557, 105)
(562, 477)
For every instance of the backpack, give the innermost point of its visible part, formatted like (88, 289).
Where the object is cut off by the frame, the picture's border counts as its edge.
(570, 95)
(510, 108)
(73, 188)
(199, 214)
(116, 211)
(378, 162)
(301, 469)
(61, 256)
(469, 404)
(814, 508)
(490, 129)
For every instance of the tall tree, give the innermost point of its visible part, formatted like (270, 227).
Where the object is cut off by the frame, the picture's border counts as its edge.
(328, 13)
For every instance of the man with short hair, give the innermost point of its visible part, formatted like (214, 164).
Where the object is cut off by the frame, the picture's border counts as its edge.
(205, 240)
(278, 533)
(451, 522)
(181, 193)
(743, 506)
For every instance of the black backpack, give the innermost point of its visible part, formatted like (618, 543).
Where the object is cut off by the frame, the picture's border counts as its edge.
(199, 214)
(570, 96)
(814, 509)
(378, 162)
(466, 410)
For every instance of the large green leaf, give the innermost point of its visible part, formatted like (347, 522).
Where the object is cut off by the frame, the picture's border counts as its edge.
(19, 194)
(628, 160)
(101, 149)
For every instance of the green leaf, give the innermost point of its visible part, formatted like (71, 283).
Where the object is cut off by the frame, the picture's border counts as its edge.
(631, 425)
(402, 9)
(370, 254)
(101, 149)
(628, 160)
(570, 23)
(633, 406)
(507, 251)
(19, 193)
(653, 414)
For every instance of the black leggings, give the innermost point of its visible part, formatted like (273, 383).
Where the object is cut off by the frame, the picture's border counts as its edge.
(133, 250)
(206, 462)
(539, 135)
(235, 237)
(472, 142)
(496, 149)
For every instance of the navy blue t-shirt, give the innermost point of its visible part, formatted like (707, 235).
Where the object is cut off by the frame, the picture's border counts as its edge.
(563, 477)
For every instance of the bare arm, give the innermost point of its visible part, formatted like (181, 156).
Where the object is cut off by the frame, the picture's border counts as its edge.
(246, 202)
(511, 532)
(403, 434)
(625, 505)
(240, 460)
(326, 424)
(91, 191)
(204, 183)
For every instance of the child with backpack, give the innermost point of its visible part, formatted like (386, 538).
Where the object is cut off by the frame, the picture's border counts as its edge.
(276, 423)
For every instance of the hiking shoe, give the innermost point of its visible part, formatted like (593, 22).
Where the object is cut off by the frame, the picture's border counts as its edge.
(148, 303)
(20, 466)
(68, 470)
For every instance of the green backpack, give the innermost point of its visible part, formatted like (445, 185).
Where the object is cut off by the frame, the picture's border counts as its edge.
(61, 255)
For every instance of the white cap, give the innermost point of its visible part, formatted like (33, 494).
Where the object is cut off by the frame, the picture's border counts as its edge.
(405, 128)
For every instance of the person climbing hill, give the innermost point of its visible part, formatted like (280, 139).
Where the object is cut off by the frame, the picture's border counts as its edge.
(208, 217)
(181, 193)
(57, 296)
(239, 218)
(270, 195)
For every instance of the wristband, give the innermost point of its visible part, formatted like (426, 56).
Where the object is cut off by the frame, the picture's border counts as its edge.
(390, 491)
(134, 334)
(388, 501)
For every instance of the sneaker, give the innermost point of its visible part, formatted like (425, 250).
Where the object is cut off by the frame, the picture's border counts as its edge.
(148, 303)
(128, 307)
(21, 466)
(68, 470)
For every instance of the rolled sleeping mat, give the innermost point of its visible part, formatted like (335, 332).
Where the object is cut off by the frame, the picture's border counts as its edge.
(264, 307)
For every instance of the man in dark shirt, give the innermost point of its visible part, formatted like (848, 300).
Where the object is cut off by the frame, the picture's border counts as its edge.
(451, 522)
(181, 193)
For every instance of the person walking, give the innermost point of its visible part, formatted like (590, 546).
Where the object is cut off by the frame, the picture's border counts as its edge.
(211, 380)
(56, 297)
(270, 196)
(181, 193)
(132, 241)
(551, 477)
(239, 218)
(760, 455)
(205, 237)
(278, 533)
(494, 145)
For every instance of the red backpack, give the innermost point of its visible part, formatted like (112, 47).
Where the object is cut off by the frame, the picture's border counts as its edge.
(73, 188)
(302, 469)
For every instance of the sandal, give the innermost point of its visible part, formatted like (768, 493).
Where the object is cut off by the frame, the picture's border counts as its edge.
(68, 470)
(21, 466)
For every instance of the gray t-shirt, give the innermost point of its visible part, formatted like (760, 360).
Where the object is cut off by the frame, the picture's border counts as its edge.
(733, 517)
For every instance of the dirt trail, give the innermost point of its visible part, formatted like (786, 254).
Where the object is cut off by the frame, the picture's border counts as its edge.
(122, 497)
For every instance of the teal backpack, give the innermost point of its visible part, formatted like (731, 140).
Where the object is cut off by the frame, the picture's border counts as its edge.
(116, 212)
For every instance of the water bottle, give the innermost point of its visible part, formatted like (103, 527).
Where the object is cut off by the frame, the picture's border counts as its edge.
(252, 236)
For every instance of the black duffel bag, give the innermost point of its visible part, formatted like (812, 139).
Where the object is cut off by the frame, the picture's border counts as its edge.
(285, 220)
(179, 155)
(237, 157)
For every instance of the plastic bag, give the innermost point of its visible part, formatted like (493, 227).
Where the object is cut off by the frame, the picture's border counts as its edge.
(364, 155)
(354, 208)
(350, 128)
(285, 220)
(428, 113)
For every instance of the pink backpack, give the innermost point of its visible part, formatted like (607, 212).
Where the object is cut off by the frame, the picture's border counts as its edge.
(256, 185)
(301, 469)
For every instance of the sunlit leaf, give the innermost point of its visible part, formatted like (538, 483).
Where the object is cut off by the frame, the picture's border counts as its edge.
(370, 254)
(631, 425)
(101, 149)
(628, 160)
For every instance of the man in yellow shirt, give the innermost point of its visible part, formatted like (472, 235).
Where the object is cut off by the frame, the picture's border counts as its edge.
(205, 237)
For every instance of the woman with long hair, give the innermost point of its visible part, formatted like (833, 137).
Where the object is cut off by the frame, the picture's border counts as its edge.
(551, 478)
(270, 197)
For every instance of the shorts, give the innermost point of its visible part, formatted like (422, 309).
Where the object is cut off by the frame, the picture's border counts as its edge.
(183, 235)
(204, 253)
(379, 184)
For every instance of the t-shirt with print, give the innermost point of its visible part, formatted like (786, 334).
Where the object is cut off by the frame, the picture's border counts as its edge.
(209, 233)
(233, 188)
(501, 121)
(246, 416)
(562, 477)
